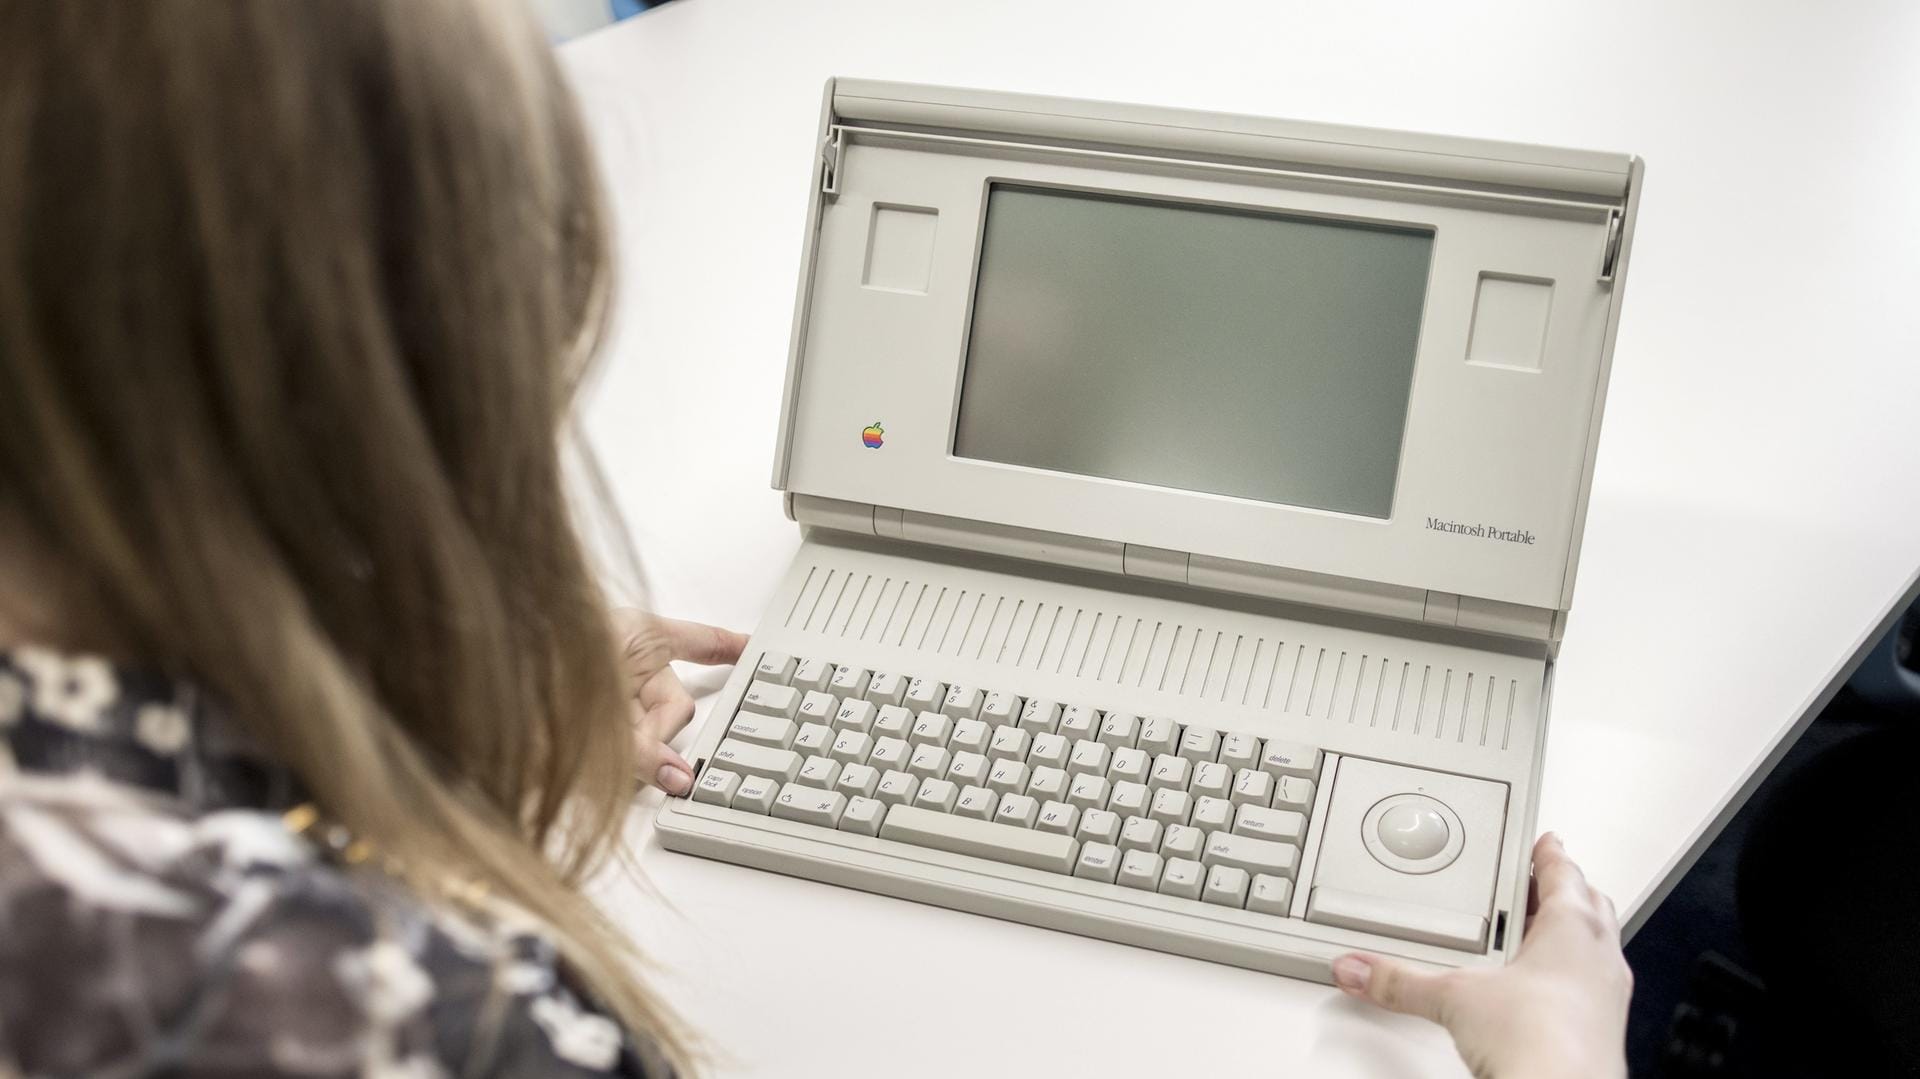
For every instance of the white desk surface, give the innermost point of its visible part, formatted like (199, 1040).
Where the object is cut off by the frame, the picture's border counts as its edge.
(1755, 513)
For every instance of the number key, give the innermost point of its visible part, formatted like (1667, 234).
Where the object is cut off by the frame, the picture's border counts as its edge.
(849, 681)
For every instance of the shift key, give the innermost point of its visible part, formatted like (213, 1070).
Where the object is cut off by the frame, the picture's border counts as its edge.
(1253, 855)
(748, 759)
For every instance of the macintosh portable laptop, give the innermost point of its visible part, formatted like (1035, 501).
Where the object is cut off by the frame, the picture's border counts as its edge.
(1191, 507)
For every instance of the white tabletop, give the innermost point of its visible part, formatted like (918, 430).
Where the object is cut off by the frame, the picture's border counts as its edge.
(1755, 512)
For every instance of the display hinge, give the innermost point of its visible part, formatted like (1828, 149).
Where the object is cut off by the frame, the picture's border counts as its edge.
(830, 154)
(1610, 257)
(1181, 568)
(1491, 616)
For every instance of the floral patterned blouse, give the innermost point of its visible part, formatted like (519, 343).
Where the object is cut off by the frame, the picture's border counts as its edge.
(158, 918)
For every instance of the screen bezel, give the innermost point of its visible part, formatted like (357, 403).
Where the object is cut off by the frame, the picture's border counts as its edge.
(1480, 443)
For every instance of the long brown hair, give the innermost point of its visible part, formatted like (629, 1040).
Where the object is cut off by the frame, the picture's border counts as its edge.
(293, 301)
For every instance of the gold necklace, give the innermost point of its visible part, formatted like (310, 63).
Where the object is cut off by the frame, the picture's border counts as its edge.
(305, 820)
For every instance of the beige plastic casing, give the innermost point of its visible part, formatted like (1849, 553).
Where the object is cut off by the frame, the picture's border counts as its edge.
(1376, 640)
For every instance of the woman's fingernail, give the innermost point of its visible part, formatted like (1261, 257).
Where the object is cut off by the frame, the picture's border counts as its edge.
(1350, 972)
(673, 780)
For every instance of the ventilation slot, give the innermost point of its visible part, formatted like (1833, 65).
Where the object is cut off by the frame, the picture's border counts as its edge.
(1326, 684)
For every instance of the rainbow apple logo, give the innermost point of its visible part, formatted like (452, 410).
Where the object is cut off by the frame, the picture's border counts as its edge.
(873, 435)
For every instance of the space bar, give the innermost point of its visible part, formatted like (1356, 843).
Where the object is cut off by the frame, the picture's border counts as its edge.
(982, 839)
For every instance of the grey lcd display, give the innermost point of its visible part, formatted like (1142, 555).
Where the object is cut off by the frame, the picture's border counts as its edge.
(1204, 349)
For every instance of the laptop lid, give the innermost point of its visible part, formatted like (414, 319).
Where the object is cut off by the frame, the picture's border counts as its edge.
(1364, 355)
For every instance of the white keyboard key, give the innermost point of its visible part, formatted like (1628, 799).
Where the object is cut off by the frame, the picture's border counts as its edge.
(1253, 855)
(887, 689)
(1252, 788)
(1293, 793)
(1181, 877)
(1049, 751)
(756, 794)
(1226, 886)
(809, 804)
(895, 788)
(892, 721)
(889, 753)
(1269, 895)
(817, 707)
(1180, 841)
(1170, 772)
(1211, 779)
(716, 786)
(814, 738)
(781, 765)
(1009, 743)
(1200, 744)
(849, 681)
(981, 839)
(857, 779)
(1001, 709)
(1139, 869)
(1393, 918)
(1129, 799)
(1139, 833)
(1171, 807)
(775, 667)
(1120, 729)
(1238, 750)
(819, 772)
(1289, 759)
(1098, 861)
(1088, 792)
(1098, 826)
(763, 730)
(1007, 777)
(862, 815)
(855, 715)
(1017, 809)
(1047, 784)
(1040, 716)
(851, 747)
(1158, 734)
(925, 694)
(967, 769)
(969, 736)
(1128, 766)
(930, 729)
(1057, 817)
(963, 702)
(930, 761)
(976, 802)
(936, 794)
(771, 699)
(812, 674)
(1089, 757)
(1212, 814)
(1280, 825)
(1077, 721)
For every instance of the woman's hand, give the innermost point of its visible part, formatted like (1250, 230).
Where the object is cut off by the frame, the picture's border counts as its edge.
(662, 706)
(1559, 1009)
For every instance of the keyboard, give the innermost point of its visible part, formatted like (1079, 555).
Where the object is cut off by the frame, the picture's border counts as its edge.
(1141, 802)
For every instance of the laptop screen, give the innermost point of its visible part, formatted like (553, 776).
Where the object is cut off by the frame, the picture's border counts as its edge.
(1225, 351)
